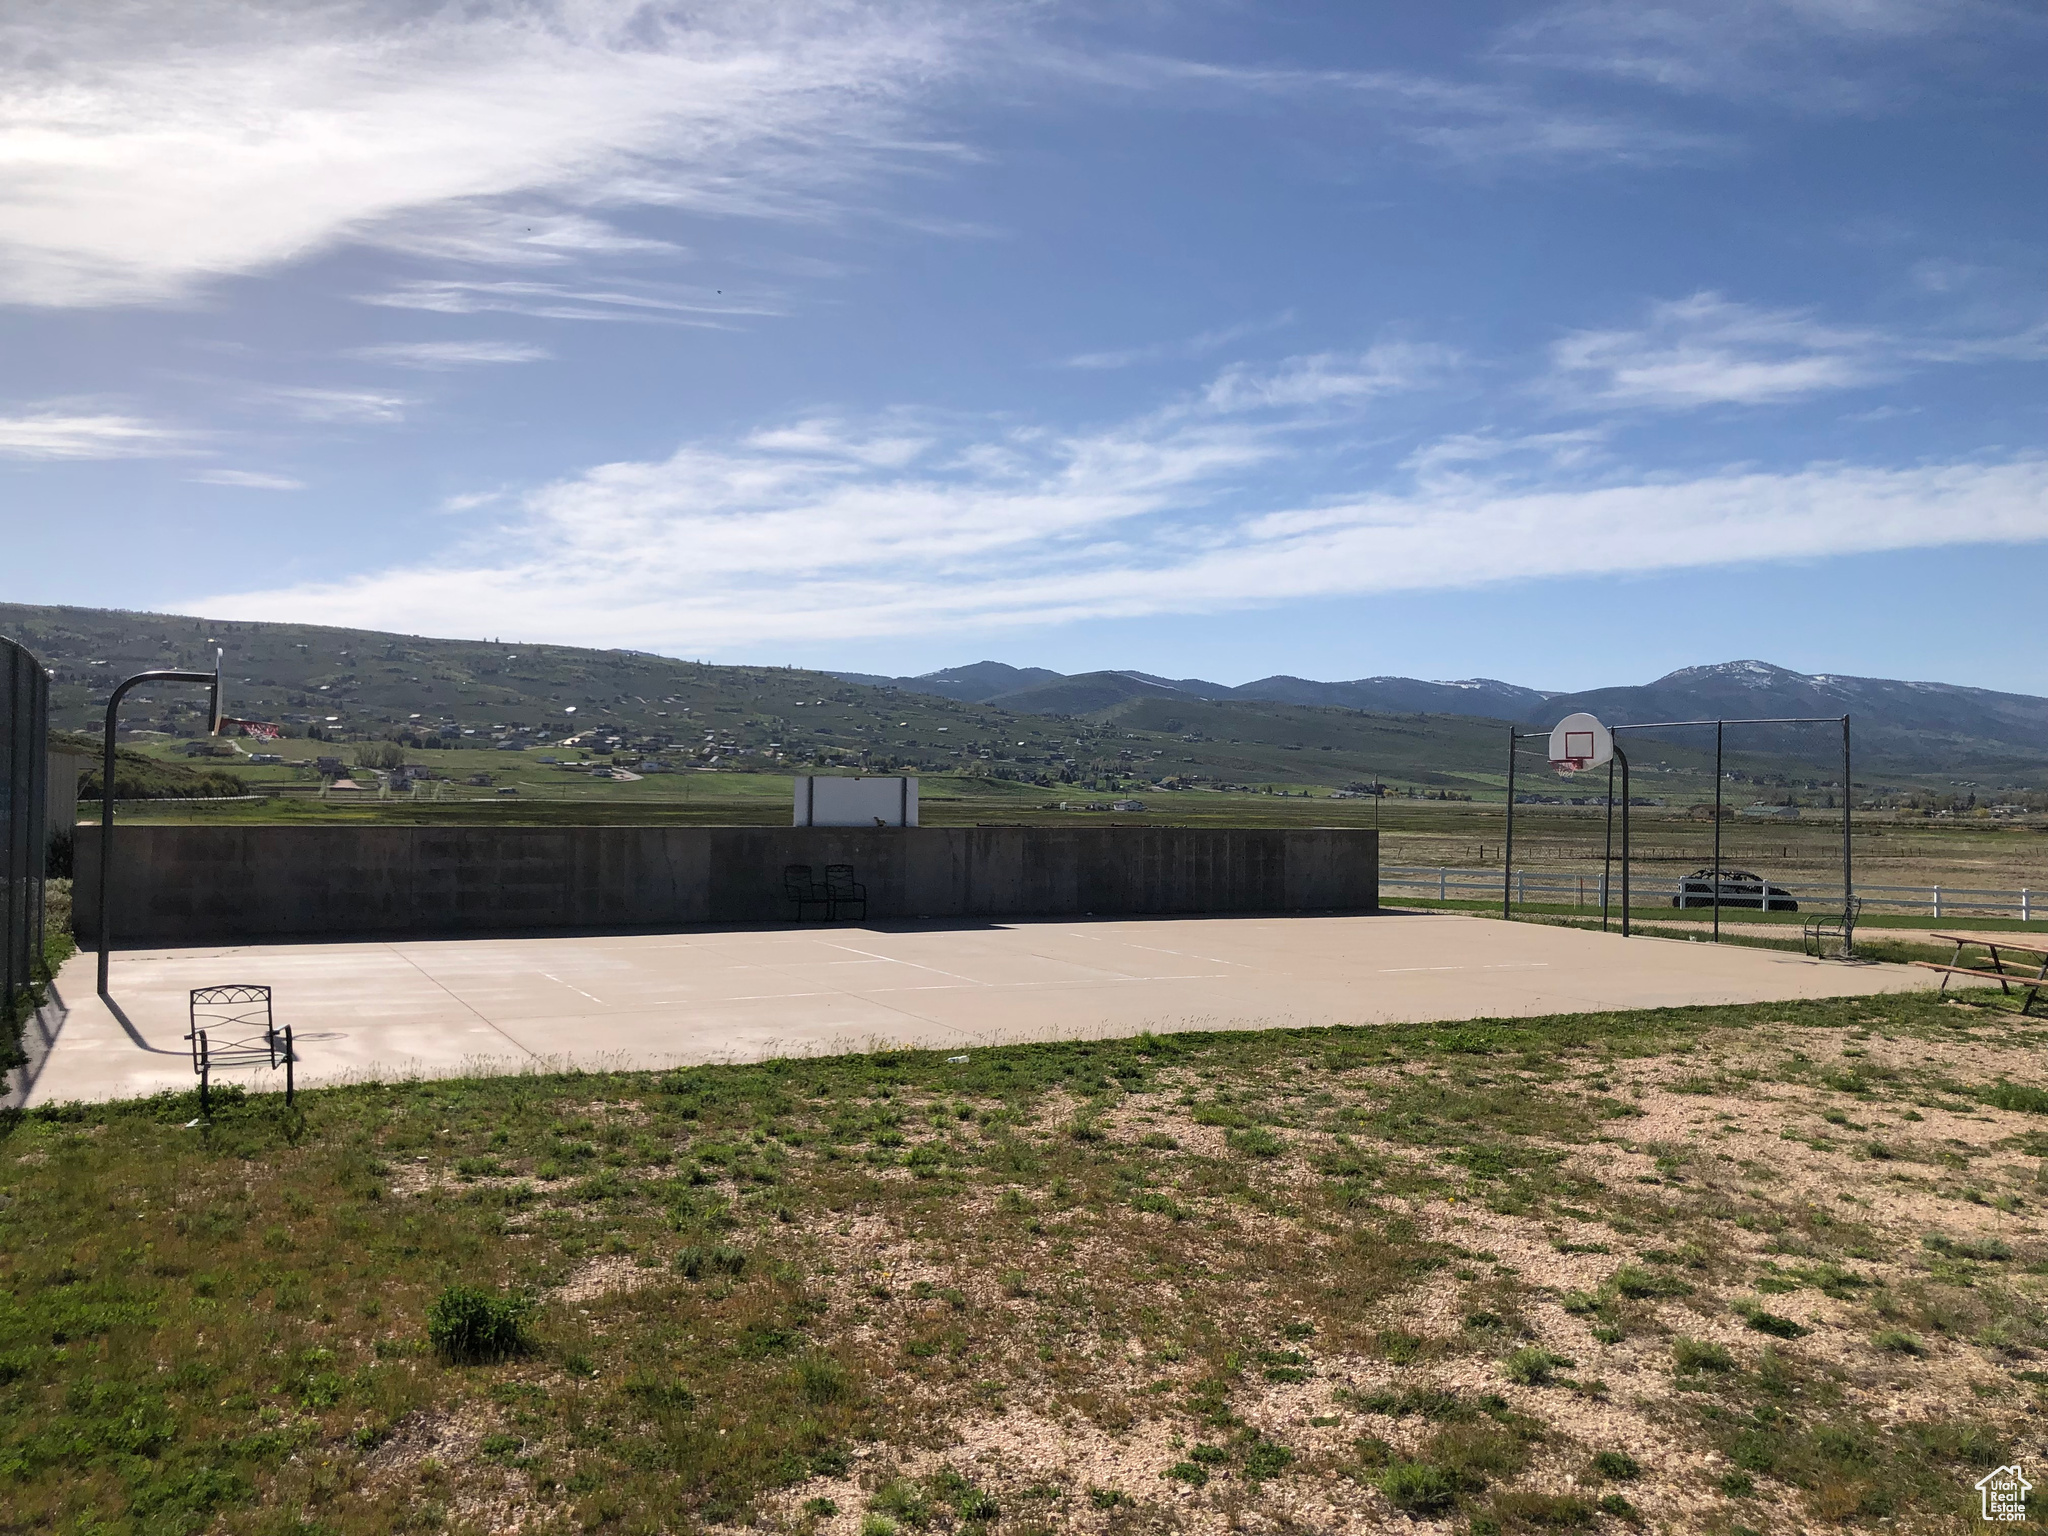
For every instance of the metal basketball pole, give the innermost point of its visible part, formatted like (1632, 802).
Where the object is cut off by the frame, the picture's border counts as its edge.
(1622, 757)
(1507, 858)
(1607, 853)
(1848, 886)
(1718, 727)
(212, 680)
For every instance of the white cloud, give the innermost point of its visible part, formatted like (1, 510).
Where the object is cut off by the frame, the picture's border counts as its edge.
(348, 406)
(249, 479)
(1194, 346)
(1806, 55)
(436, 355)
(1709, 350)
(1471, 123)
(668, 304)
(1390, 368)
(430, 129)
(60, 433)
(823, 529)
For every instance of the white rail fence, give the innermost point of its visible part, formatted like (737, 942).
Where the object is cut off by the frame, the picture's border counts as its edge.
(1550, 888)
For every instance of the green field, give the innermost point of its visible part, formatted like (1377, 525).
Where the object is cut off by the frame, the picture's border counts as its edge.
(1776, 1268)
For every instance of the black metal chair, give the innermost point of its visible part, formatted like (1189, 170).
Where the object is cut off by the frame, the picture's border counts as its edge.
(842, 890)
(1841, 926)
(803, 891)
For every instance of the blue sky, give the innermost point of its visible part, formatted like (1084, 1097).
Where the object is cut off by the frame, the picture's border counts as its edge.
(1561, 343)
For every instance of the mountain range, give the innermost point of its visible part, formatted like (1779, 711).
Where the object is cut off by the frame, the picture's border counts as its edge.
(1036, 691)
(1282, 729)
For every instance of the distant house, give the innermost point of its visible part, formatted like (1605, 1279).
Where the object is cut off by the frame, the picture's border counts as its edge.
(347, 786)
(1772, 812)
(1127, 805)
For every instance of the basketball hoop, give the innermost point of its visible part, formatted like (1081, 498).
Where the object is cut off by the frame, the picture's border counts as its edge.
(1579, 742)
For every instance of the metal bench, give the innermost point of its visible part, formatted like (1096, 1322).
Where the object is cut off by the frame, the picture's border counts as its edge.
(804, 892)
(1995, 969)
(232, 1026)
(842, 890)
(1840, 926)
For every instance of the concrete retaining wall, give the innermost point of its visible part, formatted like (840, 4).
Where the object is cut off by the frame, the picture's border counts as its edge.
(218, 885)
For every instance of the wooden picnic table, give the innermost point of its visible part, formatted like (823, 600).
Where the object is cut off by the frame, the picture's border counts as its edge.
(1998, 963)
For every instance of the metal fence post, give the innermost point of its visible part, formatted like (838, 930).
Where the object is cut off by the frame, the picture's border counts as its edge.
(289, 1056)
(1442, 882)
(2026, 906)
(1937, 901)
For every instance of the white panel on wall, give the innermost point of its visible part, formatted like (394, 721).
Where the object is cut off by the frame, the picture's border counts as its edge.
(824, 800)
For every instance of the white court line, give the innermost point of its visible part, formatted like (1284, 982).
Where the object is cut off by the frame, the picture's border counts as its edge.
(978, 986)
(1094, 938)
(916, 965)
(576, 989)
(1518, 965)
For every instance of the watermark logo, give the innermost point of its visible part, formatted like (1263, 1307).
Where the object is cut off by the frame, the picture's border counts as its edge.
(2004, 1493)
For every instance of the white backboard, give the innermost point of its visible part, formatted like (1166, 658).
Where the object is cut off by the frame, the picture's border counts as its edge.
(831, 800)
(1578, 742)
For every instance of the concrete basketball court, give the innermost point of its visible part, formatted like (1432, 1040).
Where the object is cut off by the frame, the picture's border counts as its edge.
(439, 1007)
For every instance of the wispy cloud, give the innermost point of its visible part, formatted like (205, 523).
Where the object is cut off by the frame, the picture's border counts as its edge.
(1199, 345)
(1472, 122)
(1810, 56)
(1710, 350)
(440, 355)
(648, 304)
(59, 433)
(1325, 378)
(837, 529)
(479, 133)
(249, 480)
(347, 406)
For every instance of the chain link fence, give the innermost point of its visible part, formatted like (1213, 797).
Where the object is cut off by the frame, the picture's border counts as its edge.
(24, 789)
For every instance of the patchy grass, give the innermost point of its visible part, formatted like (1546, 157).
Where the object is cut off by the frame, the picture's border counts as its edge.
(1304, 1280)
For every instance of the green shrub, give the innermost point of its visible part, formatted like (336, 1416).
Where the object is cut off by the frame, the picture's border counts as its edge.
(699, 1260)
(1776, 1326)
(1618, 1465)
(469, 1325)
(1990, 1249)
(1639, 1284)
(1418, 1488)
(2015, 1096)
(1689, 1355)
(1264, 1459)
(821, 1379)
(1256, 1141)
(1532, 1365)
(1187, 1472)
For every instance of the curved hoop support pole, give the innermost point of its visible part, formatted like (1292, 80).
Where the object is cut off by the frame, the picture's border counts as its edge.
(210, 680)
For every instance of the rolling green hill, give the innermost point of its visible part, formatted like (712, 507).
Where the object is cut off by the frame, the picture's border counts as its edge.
(350, 687)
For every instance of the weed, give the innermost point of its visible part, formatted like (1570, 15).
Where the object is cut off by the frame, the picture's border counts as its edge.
(1618, 1465)
(1418, 1488)
(469, 1325)
(1532, 1366)
(1689, 1356)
